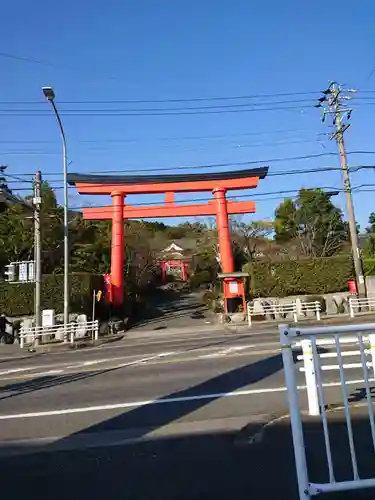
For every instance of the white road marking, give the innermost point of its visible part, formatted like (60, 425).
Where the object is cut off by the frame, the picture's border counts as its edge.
(137, 404)
(144, 360)
(20, 370)
(68, 366)
(226, 351)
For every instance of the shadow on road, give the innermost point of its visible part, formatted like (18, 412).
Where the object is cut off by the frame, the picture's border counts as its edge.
(178, 404)
(217, 466)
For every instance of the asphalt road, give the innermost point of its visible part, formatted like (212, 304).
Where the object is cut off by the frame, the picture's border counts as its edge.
(183, 406)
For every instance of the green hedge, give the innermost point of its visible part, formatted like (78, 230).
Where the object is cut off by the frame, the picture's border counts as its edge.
(294, 277)
(18, 299)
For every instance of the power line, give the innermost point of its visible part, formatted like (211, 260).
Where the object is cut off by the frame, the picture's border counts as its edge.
(15, 113)
(184, 108)
(256, 197)
(166, 138)
(270, 174)
(194, 200)
(105, 149)
(212, 165)
(162, 101)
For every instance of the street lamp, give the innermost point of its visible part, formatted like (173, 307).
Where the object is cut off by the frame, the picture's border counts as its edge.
(50, 96)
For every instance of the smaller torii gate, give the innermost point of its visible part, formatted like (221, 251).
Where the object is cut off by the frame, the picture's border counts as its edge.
(118, 187)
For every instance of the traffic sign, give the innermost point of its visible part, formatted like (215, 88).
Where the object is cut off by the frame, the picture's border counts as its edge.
(20, 272)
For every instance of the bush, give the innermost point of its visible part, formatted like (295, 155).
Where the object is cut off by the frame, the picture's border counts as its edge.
(18, 299)
(302, 277)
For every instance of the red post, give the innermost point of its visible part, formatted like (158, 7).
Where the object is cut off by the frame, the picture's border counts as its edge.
(117, 250)
(225, 245)
(163, 272)
(184, 272)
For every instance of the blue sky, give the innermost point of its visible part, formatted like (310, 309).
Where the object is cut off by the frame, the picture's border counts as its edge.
(143, 50)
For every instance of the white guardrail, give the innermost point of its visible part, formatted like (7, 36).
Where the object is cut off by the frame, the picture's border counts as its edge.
(279, 310)
(308, 338)
(71, 331)
(356, 305)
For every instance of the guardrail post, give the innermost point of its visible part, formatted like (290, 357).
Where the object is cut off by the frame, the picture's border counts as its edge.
(371, 339)
(96, 330)
(317, 310)
(310, 377)
(72, 333)
(22, 338)
(248, 314)
(295, 313)
(295, 412)
(351, 308)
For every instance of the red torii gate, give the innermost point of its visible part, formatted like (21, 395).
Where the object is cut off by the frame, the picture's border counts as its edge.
(120, 186)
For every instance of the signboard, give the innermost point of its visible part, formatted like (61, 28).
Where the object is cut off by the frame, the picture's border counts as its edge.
(48, 317)
(233, 287)
(20, 272)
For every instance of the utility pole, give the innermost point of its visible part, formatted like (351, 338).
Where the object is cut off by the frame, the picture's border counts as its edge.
(37, 201)
(334, 98)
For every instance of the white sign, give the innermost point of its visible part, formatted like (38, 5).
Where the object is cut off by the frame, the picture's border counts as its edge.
(233, 287)
(22, 271)
(48, 317)
(31, 271)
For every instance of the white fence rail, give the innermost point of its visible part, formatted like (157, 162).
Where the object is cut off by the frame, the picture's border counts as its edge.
(282, 310)
(59, 332)
(308, 338)
(356, 305)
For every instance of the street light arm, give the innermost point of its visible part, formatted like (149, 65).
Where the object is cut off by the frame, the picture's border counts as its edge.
(60, 125)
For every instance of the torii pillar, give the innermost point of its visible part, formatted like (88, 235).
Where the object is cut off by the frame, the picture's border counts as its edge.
(222, 222)
(117, 247)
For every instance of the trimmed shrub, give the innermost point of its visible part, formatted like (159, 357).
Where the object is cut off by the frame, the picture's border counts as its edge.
(301, 277)
(18, 299)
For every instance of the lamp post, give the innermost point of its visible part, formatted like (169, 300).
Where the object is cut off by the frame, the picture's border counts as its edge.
(50, 96)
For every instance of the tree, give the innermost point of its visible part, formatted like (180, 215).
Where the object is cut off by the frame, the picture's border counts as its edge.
(250, 240)
(369, 243)
(313, 222)
(252, 237)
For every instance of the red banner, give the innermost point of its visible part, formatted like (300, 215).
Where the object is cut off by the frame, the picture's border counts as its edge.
(107, 287)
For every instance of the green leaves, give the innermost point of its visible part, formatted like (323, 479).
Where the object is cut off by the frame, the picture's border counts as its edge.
(312, 222)
(18, 299)
(305, 276)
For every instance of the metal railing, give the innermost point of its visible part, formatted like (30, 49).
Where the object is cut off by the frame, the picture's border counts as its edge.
(29, 334)
(278, 310)
(308, 337)
(356, 304)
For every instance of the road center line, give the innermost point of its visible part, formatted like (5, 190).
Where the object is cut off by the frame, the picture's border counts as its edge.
(167, 400)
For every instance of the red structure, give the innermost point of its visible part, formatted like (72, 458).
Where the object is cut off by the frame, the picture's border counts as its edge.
(119, 186)
(173, 259)
(168, 264)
